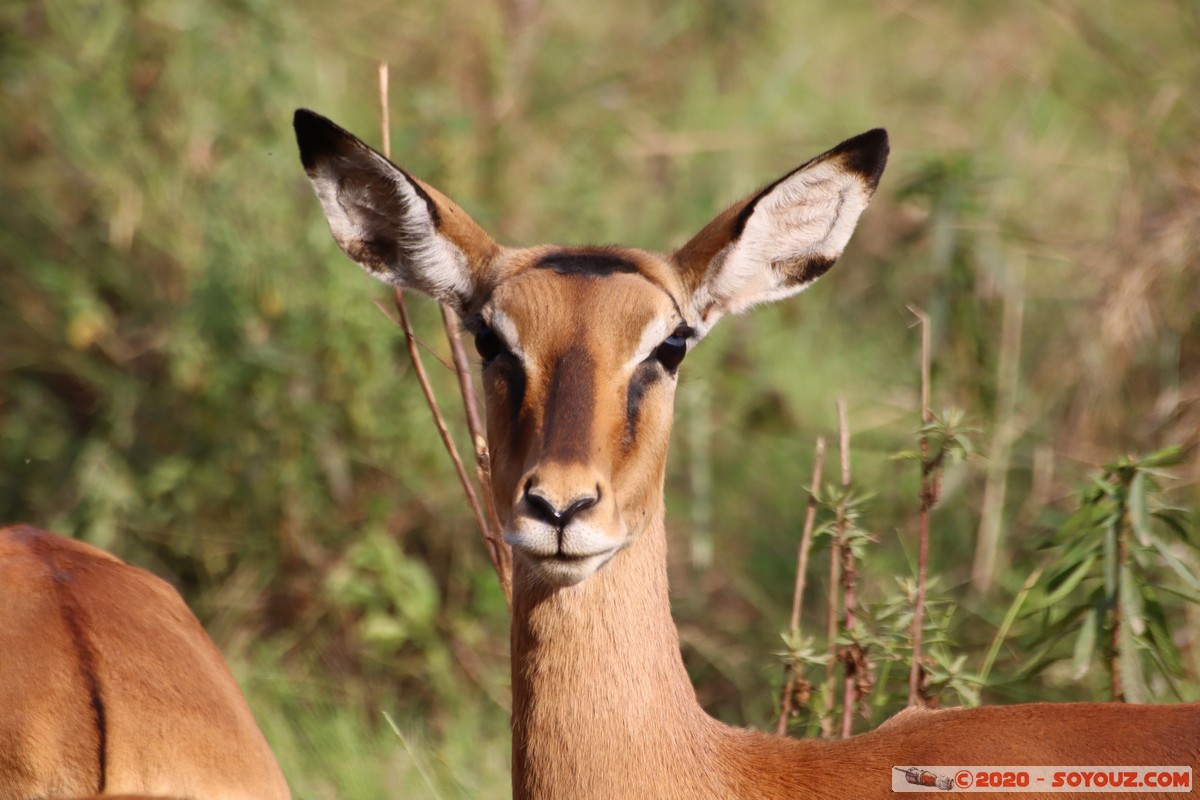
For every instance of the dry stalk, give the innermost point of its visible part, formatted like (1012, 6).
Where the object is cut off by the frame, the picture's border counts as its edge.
(488, 522)
(385, 132)
(440, 421)
(787, 704)
(848, 655)
(928, 499)
(831, 631)
(494, 534)
(1008, 377)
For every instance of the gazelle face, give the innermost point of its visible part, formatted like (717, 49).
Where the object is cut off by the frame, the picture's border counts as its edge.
(580, 351)
(580, 346)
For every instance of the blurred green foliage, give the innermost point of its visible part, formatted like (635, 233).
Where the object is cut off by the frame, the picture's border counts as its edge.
(195, 378)
(1117, 582)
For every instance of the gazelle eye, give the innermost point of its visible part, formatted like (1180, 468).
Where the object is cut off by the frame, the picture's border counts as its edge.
(671, 352)
(488, 344)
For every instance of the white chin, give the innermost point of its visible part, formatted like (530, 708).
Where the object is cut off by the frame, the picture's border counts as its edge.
(566, 572)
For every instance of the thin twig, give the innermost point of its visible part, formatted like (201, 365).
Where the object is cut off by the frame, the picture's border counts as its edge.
(463, 370)
(831, 632)
(419, 368)
(489, 525)
(424, 345)
(928, 498)
(385, 133)
(500, 550)
(849, 575)
(789, 684)
(417, 762)
(844, 442)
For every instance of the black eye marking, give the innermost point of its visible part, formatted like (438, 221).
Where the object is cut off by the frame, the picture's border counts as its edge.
(671, 352)
(488, 344)
(644, 377)
(510, 382)
(501, 369)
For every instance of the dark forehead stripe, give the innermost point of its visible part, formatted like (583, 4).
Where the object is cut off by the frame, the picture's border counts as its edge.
(595, 264)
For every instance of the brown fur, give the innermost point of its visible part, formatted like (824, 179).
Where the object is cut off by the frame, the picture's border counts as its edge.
(110, 684)
(602, 705)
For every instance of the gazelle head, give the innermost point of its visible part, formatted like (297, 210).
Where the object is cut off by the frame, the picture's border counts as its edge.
(581, 346)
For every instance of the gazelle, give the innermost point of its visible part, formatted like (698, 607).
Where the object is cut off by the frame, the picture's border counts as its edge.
(110, 686)
(581, 347)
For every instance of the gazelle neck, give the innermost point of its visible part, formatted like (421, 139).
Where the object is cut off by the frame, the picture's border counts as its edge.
(601, 699)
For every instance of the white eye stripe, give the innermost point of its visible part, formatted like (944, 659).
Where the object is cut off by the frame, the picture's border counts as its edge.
(503, 326)
(652, 336)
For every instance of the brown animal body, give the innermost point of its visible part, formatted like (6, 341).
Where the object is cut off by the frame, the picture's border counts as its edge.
(109, 685)
(581, 349)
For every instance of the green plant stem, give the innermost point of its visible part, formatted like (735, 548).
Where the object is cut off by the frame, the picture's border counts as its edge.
(1118, 688)
(1014, 610)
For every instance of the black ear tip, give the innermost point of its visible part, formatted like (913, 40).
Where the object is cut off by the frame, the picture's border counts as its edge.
(866, 154)
(316, 136)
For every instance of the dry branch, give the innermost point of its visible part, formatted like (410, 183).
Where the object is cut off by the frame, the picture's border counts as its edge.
(831, 631)
(493, 535)
(786, 705)
(488, 521)
(928, 499)
(850, 656)
(440, 421)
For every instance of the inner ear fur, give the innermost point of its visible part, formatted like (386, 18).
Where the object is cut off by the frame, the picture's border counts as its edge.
(398, 228)
(777, 241)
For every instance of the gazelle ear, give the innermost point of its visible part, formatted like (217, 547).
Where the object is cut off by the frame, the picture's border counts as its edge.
(775, 243)
(397, 228)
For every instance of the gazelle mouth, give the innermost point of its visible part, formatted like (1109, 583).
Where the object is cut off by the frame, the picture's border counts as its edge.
(562, 556)
(569, 558)
(565, 569)
(565, 558)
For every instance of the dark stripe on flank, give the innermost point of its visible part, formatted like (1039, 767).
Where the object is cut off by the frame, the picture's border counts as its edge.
(570, 405)
(596, 264)
(74, 618)
(87, 664)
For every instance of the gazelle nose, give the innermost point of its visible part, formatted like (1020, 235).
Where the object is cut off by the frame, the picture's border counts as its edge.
(542, 508)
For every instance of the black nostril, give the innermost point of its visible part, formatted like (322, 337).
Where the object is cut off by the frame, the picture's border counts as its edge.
(542, 509)
(545, 511)
(579, 505)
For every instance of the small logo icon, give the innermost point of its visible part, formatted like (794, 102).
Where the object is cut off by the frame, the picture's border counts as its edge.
(923, 777)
